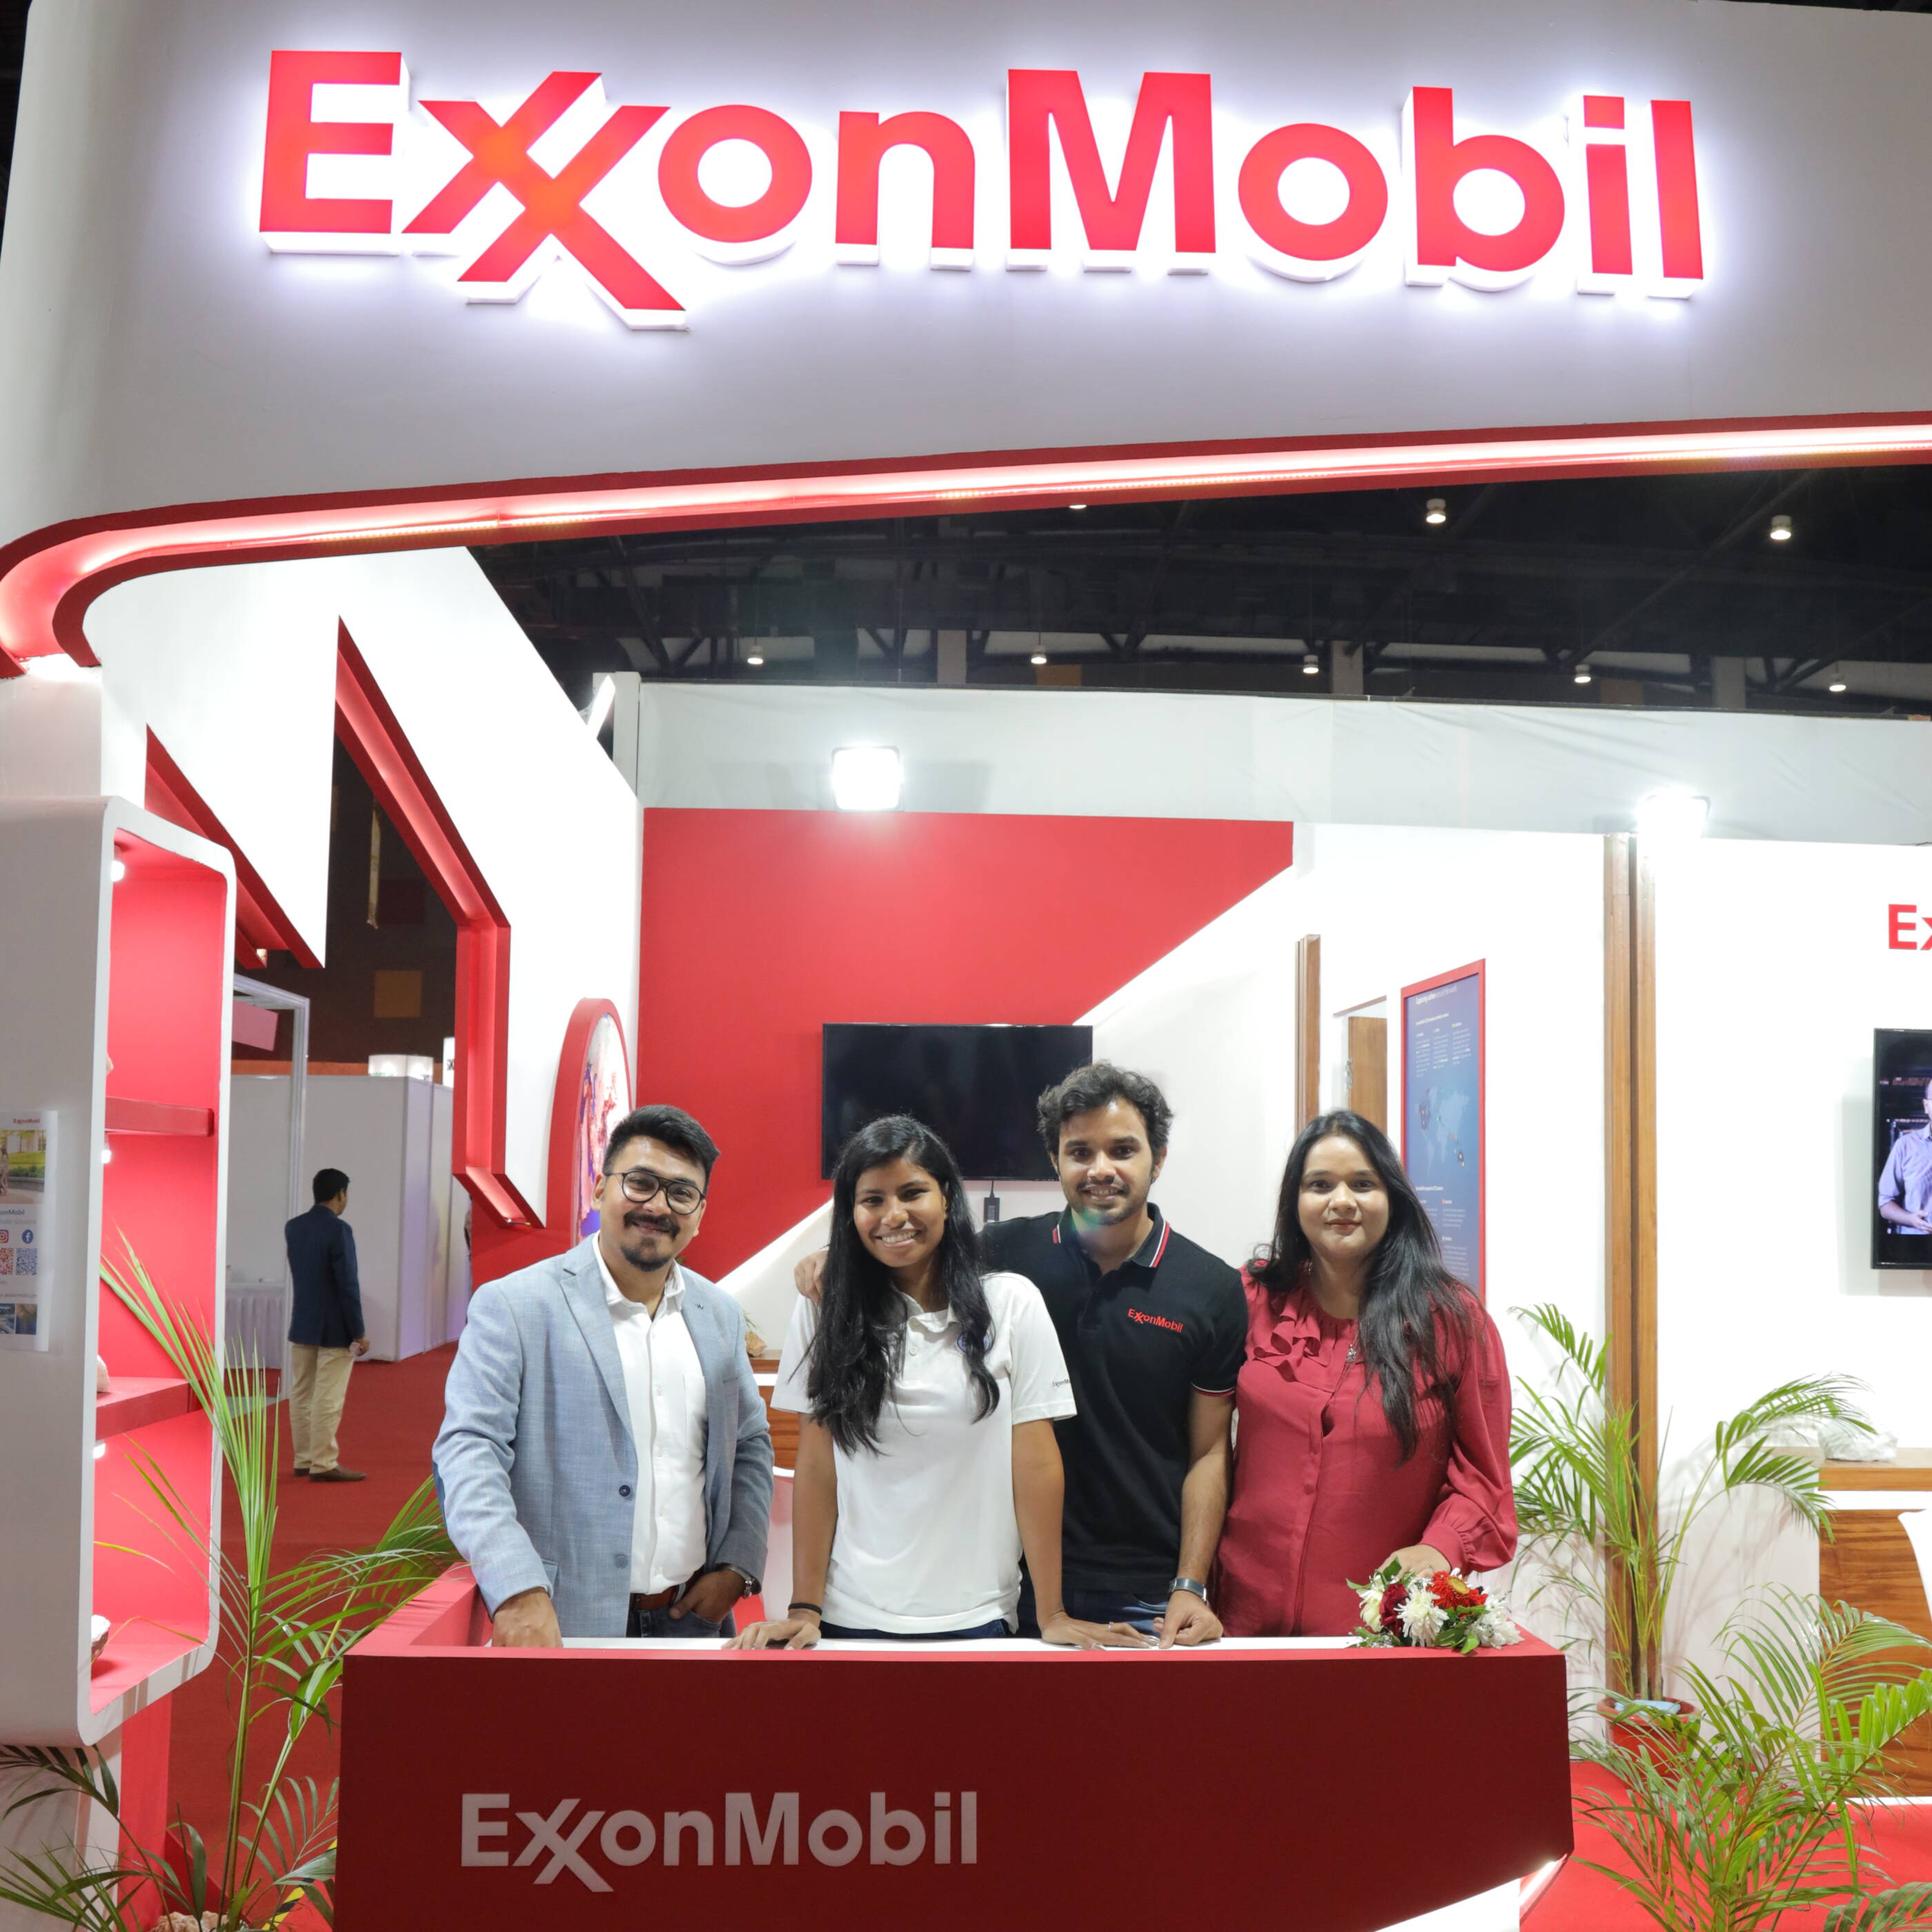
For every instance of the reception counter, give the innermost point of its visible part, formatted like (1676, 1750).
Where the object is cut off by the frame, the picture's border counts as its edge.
(969, 1786)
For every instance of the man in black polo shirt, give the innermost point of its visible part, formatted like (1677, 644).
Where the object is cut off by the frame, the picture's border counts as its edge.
(1153, 1328)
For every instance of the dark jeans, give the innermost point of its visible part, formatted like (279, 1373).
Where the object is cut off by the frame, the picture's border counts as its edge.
(995, 1628)
(661, 1623)
(1094, 1606)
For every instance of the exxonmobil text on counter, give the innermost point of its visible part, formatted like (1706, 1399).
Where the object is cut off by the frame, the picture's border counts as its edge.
(1603, 196)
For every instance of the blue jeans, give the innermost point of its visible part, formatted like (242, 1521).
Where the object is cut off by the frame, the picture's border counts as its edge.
(661, 1623)
(995, 1628)
(1094, 1606)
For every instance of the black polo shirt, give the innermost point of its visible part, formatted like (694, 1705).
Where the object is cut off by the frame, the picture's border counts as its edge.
(1138, 1343)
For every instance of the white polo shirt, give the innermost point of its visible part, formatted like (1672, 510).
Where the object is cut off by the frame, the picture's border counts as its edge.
(928, 1538)
(664, 1389)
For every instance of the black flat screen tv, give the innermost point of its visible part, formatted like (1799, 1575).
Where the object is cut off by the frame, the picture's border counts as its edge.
(975, 1086)
(1900, 1200)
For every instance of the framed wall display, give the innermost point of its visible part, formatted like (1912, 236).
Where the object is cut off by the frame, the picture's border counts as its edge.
(1900, 1203)
(1442, 1110)
(26, 1144)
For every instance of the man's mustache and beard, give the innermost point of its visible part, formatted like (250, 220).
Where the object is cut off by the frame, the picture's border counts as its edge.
(646, 1239)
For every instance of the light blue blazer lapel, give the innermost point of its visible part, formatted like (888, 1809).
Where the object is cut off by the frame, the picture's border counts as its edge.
(700, 1324)
(584, 1295)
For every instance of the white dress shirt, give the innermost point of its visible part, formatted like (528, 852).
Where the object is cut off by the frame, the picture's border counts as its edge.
(664, 1385)
(928, 1539)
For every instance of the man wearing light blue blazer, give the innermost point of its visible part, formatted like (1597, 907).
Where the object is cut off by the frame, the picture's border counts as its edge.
(604, 1461)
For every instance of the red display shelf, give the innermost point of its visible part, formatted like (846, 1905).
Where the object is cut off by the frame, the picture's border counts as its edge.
(133, 1402)
(158, 1116)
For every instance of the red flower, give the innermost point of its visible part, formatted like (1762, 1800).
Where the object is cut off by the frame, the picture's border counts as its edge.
(1393, 1600)
(1451, 1594)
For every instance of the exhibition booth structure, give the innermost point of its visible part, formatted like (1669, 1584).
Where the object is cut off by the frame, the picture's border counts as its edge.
(346, 310)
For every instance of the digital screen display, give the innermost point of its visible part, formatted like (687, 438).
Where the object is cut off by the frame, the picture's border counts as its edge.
(1901, 1197)
(977, 1087)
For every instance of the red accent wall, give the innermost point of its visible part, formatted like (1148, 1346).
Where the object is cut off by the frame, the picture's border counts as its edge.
(760, 926)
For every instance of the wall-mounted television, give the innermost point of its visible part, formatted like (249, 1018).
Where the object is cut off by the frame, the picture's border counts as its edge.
(1900, 1201)
(976, 1086)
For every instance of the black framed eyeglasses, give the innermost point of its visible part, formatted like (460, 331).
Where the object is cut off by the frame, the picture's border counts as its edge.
(641, 1187)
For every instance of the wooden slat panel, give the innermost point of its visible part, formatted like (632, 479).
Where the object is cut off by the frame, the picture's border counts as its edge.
(1870, 1562)
(1307, 1029)
(1368, 1069)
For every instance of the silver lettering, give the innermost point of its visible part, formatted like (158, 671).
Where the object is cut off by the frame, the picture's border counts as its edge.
(828, 1822)
(545, 1837)
(969, 1828)
(676, 1823)
(884, 1824)
(741, 1823)
(616, 1826)
(476, 1828)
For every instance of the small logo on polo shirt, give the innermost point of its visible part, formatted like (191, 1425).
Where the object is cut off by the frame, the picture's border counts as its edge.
(1155, 1320)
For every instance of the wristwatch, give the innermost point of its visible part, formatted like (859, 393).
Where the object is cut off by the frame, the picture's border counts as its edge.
(753, 1586)
(1188, 1584)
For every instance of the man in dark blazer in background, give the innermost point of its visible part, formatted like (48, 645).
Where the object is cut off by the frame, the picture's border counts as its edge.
(325, 1327)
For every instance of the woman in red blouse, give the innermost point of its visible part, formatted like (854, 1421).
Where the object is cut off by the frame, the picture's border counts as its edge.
(1373, 1408)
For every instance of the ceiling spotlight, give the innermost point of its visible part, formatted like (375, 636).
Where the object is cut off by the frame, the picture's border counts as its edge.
(1076, 506)
(1435, 511)
(1039, 657)
(865, 778)
(1672, 813)
(1839, 684)
(1311, 665)
(1583, 674)
(754, 654)
(1780, 529)
(606, 696)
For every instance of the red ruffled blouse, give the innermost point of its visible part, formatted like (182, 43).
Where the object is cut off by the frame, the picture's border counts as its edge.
(1321, 1495)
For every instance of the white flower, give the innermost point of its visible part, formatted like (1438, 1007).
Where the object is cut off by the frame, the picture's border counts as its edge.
(1494, 1630)
(1371, 1600)
(1422, 1617)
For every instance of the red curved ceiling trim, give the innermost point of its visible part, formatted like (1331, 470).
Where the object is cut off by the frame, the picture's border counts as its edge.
(48, 577)
(382, 753)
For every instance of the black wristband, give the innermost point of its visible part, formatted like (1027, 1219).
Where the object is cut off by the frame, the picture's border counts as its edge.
(817, 1608)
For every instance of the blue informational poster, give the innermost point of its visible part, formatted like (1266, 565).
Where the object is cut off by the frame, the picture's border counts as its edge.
(1442, 1111)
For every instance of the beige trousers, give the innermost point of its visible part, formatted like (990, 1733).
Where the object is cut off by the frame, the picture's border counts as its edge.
(318, 1385)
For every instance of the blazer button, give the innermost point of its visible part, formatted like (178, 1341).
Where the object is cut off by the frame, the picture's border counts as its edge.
(623, 1489)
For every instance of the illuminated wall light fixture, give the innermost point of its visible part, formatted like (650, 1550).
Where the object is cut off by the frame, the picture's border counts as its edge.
(118, 870)
(1435, 511)
(1780, 529)
(866, 778)
(106, 1155)
(601, 702)
(100, 1452)
(1076, 506)
(1672, 815)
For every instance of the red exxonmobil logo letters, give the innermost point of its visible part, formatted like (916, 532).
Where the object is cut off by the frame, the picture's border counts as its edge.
(590, 1844)
(635, 197)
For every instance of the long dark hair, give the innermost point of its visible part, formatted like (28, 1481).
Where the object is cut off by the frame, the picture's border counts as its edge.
(861, 1335)
(1409, 1299)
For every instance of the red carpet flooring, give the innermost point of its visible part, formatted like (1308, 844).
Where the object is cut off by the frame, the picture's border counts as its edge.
(390, 1420)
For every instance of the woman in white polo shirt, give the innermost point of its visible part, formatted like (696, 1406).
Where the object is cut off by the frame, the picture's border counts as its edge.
(926, 1392)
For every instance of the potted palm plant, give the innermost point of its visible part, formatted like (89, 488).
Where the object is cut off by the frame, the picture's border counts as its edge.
(1751, 1810)
(1588, 1511)
(284, 1633)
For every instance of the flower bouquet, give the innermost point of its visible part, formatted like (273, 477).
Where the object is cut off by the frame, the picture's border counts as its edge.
(1419, 1609)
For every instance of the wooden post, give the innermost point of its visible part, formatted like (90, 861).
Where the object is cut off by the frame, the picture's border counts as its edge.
(1630, 1170)
(1307, 1029)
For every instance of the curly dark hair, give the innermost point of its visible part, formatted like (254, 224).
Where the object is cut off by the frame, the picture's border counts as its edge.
(1087, 1087)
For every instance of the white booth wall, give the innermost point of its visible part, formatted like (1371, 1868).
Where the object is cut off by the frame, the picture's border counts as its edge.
(392, 1137)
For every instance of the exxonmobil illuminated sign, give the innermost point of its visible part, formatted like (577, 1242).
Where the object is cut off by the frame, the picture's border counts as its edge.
(589, 1844)
(1604, 196)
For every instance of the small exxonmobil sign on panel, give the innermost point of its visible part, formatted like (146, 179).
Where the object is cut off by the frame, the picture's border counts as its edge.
(1604, 193)
(590, 1844)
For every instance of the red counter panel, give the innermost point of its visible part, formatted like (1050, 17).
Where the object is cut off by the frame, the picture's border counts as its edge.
(968, 1786)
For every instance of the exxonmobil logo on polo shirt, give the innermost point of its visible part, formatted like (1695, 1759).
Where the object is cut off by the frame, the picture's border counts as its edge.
(636, 198)
(590, 1845)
